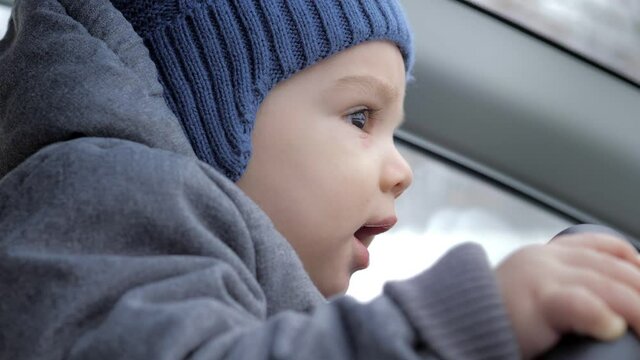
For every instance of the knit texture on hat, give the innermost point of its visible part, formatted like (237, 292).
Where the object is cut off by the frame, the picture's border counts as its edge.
(218, 59)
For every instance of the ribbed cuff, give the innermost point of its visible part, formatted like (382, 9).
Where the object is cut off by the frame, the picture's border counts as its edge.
(456, 307)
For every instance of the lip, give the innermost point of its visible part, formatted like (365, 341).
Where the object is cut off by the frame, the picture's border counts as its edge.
(364, 236)
(375, 228)
(360, 256)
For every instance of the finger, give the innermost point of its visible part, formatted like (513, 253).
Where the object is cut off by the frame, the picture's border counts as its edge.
(576, 309)
(601, 242)
(619, 297)
(603, 263)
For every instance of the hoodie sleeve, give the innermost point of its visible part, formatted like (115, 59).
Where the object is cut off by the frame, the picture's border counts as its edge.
(112, 250)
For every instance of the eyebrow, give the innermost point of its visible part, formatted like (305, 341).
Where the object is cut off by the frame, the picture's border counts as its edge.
(368, 84)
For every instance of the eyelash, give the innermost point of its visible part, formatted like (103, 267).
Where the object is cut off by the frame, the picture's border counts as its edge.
(361, 123)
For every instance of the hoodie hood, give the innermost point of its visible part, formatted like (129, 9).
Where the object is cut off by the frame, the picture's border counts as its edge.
(71, 69)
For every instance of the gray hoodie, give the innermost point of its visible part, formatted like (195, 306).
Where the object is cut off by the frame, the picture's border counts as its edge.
(117, 243)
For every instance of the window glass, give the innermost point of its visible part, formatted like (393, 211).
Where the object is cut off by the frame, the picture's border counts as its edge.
(446, 206)
(606, 31)
(5, 12)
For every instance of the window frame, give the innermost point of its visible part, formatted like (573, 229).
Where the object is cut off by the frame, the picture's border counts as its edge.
(531, 31)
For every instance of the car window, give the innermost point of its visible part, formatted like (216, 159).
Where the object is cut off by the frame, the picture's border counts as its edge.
(446, 206)
(606, 31)
(534, 116)
(5, 12)
(476, 95)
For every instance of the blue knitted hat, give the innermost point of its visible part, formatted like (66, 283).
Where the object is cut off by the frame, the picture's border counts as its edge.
(218, 59)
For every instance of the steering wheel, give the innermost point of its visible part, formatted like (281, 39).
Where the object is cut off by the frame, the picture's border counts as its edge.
(583, 348)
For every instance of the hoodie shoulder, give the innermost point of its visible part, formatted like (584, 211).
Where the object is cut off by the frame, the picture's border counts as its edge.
(71, 69)
(112, 196)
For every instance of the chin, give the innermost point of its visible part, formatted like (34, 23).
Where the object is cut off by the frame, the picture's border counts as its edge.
(337, 287)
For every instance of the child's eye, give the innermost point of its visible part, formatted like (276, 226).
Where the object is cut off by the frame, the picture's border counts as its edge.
(359, 118)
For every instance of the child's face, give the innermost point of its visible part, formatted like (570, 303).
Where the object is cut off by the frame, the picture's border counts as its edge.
(321, 177)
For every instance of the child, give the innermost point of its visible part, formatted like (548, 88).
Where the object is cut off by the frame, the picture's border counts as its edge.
(117, 242)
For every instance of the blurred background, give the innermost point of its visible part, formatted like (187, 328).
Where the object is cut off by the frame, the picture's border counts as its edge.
(606, 30)
(448, 204)
(5, 12)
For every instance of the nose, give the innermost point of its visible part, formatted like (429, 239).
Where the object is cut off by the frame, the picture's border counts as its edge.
(396, 173)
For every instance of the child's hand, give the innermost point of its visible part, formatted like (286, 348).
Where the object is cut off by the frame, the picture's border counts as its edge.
(585, 283)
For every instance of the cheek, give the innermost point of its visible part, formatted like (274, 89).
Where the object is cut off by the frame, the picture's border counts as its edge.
(317, 166)
(341, 165)
(366, 141)
(321, 181)
(317, 186)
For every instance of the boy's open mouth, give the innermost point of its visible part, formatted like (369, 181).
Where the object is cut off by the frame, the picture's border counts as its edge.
(363, 238)
(366, 233)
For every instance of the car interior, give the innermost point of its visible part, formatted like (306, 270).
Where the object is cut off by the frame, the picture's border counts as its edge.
(529, 115)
